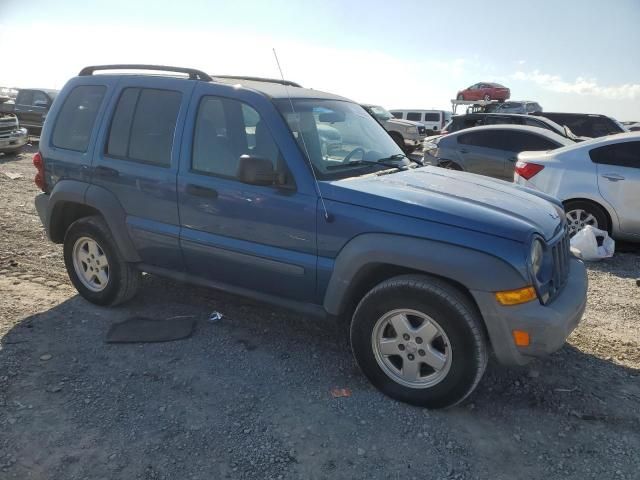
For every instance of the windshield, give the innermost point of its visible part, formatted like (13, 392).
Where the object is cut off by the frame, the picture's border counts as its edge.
(341, 138)
(380, 112)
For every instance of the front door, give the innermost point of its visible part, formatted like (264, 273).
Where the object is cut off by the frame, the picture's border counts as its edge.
(479, 153)
(618, 167)
(256, 237)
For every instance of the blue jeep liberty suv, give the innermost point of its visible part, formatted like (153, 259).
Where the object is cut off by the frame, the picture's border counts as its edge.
(300, 198)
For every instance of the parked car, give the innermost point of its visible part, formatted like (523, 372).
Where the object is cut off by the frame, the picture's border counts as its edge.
(633, 127)
(155, 173)
(484, 91)
(31, 107)
(490, 150)
(433, 120)
(597, 181)
(514, 106)
(12, 137)
(407, 134)
(586, 124)
(460, 122)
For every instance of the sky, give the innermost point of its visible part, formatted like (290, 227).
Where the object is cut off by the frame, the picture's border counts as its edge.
(572, 56)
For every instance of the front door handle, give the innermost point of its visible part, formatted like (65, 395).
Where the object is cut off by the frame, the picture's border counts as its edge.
(464, 150)
(106, 171)
(200, 191)
(614, 177)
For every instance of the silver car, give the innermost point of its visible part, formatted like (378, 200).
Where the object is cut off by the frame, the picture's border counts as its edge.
(490, 150)
(598, 181)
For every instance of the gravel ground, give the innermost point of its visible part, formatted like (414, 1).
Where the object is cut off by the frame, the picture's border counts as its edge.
(249, 397)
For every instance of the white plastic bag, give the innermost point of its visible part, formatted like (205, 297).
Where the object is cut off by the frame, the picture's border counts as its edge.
(586, 243)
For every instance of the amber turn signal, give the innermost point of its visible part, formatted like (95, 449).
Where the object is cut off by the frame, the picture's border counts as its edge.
(521, 338)
(516, 297)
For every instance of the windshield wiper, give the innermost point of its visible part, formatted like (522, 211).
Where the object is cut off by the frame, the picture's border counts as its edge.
(356, 163)
(384, 162)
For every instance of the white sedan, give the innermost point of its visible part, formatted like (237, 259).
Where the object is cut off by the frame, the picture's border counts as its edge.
(598, 181)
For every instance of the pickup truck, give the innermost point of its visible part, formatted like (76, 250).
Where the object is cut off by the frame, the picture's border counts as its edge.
(12, 137)
(30, 107)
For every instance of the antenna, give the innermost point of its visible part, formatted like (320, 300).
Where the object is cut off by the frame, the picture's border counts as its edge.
(304, 143)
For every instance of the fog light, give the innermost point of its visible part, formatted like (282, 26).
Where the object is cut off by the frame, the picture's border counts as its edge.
(515, 297)
(521, 338)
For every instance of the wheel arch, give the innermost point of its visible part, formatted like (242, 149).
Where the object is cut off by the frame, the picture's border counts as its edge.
(71, 200)
(606, 208)
(370, 259)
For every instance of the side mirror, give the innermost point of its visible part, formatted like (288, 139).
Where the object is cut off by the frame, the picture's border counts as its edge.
(256, 170)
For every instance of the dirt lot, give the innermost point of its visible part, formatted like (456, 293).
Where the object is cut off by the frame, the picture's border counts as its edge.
(249, 396)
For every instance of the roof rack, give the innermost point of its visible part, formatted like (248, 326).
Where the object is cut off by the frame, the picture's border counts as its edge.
(288, 83)
(193, 73)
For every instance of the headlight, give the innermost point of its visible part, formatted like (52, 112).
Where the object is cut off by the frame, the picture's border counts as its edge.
(412, 130)
(536, 256)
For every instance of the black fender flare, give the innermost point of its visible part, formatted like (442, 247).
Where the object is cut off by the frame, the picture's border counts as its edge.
(473, 269)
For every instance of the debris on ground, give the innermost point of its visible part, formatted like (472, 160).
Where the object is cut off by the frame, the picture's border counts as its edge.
(215, 316)
(12, 175)
(340, 392)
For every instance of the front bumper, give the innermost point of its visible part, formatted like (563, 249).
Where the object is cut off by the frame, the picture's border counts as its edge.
(13, 141)
(548, 325)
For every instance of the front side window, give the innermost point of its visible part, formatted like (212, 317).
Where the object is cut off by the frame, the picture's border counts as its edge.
(225, 130)
(143, 125)
(341, 138)
(74, 124)
(625, 154)
(397, 115)
(40, 99)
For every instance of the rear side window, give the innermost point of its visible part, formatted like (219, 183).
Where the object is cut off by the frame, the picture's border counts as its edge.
(431, 117)
(143, 125)
(521, 141)
(413, 116)
(621, 154)
(77, 116)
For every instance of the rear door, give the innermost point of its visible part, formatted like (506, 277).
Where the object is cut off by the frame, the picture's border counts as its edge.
(137, 161)
(618, 167)
(480, 153)
(516, 142)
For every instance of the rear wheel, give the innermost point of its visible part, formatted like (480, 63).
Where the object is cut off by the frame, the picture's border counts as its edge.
(581, 213)
(94, 264)
(420, 341)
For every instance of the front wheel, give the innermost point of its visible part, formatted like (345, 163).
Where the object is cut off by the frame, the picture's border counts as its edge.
(94, 264)
(419, 340)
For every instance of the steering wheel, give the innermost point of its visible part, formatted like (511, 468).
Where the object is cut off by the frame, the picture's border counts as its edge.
(352, 153)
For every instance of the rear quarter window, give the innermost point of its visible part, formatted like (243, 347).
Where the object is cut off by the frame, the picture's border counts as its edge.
(74, 124)
(431, 117)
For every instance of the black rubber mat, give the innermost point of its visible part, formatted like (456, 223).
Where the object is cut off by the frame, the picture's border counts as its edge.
(148, 330)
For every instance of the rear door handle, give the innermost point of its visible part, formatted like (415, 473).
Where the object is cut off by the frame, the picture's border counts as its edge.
(106, 171)
(614, 177)
(200, 191)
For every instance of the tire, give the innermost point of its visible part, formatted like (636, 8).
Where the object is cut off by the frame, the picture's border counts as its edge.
(487, 98)
(580, 213)
(460, 341)
(118, 281)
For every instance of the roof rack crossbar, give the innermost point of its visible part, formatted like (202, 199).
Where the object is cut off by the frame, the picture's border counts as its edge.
(193, 73)
(289, 83)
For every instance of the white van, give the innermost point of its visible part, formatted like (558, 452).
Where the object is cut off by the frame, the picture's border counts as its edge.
(433, 120)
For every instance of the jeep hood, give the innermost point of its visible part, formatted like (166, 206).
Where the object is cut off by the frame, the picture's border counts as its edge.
(454, 198)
